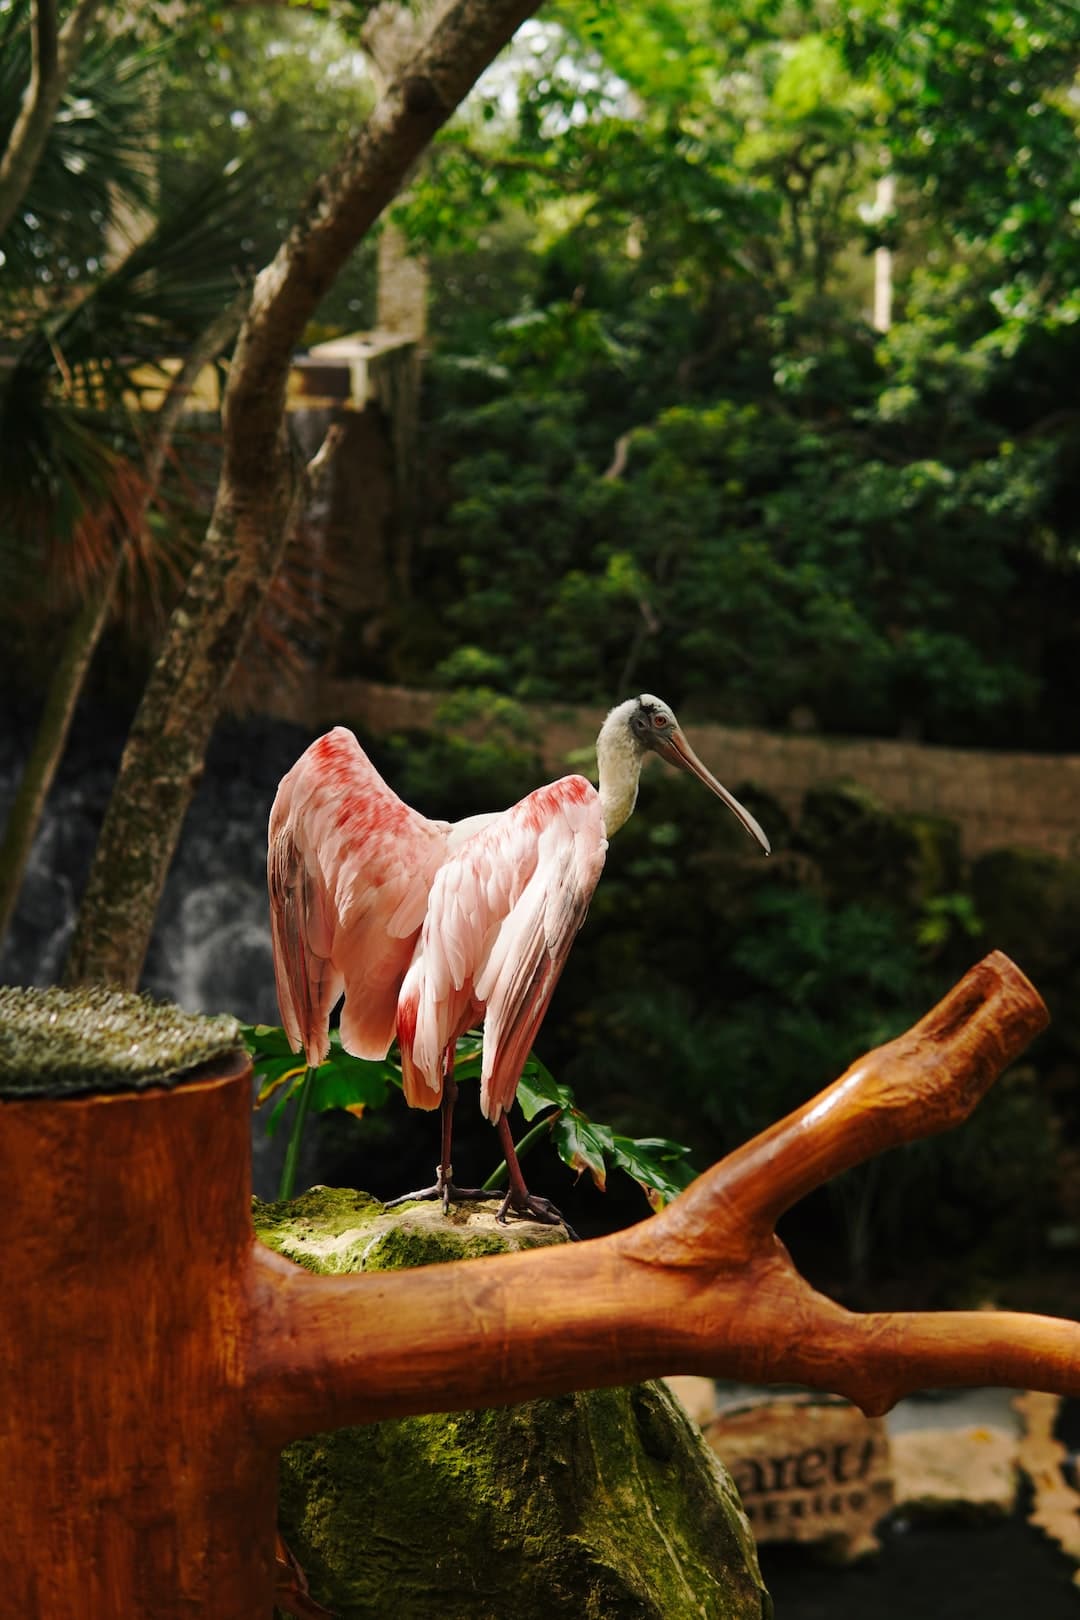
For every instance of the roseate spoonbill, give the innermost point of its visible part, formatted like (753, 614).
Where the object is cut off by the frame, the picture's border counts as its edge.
(429, 927)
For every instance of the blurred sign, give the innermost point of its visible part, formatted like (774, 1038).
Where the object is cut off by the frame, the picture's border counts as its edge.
(807, 1468)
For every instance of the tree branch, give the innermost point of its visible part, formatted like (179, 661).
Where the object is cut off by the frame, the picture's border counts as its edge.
(53, 60)
(348, 199)
(705, 1287)
(209, 344)
(257, 491)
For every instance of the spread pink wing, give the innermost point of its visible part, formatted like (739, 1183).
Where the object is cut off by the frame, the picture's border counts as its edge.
(349, 868)
(502, 916)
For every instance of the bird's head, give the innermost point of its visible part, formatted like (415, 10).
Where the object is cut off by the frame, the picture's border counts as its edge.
(650, 725)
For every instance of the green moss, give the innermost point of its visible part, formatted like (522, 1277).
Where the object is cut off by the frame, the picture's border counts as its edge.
(56, 1042)
(336, 1230)
(603, 1505)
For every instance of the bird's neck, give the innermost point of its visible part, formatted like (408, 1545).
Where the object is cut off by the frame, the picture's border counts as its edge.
(619, 761)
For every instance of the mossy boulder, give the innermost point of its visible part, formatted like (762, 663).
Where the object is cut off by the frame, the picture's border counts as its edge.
(866, 851)
(604, 1505)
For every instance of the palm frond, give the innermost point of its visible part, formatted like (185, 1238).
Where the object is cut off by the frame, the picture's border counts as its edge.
(154, 303)
(94, 170)
(71, 431)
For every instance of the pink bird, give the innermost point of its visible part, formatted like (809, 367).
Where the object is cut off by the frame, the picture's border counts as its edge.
(428, 927)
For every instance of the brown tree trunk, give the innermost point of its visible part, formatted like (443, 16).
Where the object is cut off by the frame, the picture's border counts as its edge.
(156, 1357)
(256, 494)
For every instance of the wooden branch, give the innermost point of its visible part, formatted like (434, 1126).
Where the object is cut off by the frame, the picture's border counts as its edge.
(704, 1287)
(160, 1357)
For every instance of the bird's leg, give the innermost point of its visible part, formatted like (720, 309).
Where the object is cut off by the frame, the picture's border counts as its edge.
(444, 1174)
(443, 1186)
(518, 1197)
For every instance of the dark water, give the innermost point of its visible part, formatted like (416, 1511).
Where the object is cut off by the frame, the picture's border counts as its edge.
(949, 1571)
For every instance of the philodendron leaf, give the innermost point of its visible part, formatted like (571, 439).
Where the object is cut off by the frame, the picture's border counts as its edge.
(342, 1081)
(660, 1167)
(583, 1145)
(538, 1089)
(352, 1083)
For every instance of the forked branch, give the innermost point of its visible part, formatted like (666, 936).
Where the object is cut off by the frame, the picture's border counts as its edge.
(704, 1287)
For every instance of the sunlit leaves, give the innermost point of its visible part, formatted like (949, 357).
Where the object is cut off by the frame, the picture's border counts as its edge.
(982, 117)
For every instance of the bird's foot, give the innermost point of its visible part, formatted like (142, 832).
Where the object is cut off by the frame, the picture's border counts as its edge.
(442, 1188)
(531, 1207)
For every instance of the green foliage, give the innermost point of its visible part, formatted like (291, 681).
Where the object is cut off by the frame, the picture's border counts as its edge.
(675, 454)
(342, 1081)
(980, 119)
(746, 554)
(356, 1084)
(94, 167)
(279, 91)
(72, 474)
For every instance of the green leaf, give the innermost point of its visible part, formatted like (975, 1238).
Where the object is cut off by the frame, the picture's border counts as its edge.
(354, 1083)
(538, 1089)
(343, 1081)
(583, 1145)
(661, 1167)
(267, 1040)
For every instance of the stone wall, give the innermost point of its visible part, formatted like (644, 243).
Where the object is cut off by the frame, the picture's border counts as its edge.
(998, 799)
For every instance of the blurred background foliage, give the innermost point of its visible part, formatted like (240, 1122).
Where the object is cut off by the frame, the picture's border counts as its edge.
(664, 446)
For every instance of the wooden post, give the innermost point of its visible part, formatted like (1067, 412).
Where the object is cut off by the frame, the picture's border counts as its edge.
(154, 1358)
(131, 1477)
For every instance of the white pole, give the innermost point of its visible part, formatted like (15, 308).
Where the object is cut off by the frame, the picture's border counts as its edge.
(883, 207)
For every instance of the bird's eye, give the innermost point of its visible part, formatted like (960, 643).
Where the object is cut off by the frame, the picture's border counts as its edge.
(660, 721)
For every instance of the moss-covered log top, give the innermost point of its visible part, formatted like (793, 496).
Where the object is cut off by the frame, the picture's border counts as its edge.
(57, 1043)
(602, 1505)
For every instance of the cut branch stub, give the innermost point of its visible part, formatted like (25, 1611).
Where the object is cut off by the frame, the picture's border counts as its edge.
(924, 1082)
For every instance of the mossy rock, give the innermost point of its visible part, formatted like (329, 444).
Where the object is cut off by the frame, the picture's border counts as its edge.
(866, 851)
(605, 1505)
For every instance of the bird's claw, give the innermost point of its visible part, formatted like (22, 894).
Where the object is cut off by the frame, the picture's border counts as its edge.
(442, 1188)
(532, 1207)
